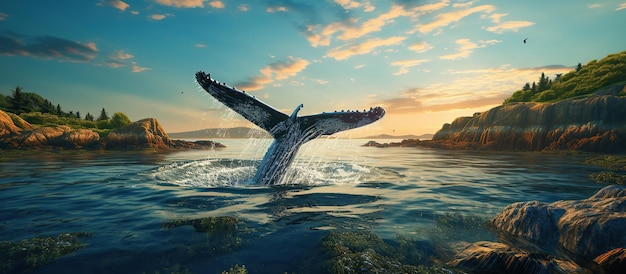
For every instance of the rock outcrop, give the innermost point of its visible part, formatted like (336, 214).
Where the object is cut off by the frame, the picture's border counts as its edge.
(146, 133)
(11, 125)
(596, 123)
(17, 133)
(535, 233)
(587, 227)
(490, 257)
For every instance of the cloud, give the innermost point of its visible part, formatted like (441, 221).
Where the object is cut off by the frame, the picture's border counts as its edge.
(467, 47)
(594, 6)
(350, 30)
(469, 89)
(157, 17)
(621, 6)
(136, 68)
(445, 19)
(120, 59)
(243, 7)
(420, 47)
(118, 4)
(495, 18)
(350, 4)
(345, 52)
(510, 26)
(200, 45)
(3, 16)
(182, 3)
(217, 4)
(46, 47)
(406, 64)
(279, 70)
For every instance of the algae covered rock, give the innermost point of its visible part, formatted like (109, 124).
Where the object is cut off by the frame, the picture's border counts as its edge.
(29, 254)
(490, 257)
(365, 252)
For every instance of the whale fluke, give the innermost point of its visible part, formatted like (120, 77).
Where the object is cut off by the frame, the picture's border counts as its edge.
(289, 131)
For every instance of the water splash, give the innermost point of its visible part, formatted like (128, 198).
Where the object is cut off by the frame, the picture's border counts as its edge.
(239, 173)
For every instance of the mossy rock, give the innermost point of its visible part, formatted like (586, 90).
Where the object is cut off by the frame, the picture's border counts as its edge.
(29, 254)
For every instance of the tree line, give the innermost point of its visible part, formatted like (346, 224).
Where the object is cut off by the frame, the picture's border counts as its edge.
(583, 80)
(37, 110)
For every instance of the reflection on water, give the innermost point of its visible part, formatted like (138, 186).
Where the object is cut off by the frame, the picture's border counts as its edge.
(123, 199)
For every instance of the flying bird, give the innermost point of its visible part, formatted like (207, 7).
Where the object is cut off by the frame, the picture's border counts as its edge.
(525, 40)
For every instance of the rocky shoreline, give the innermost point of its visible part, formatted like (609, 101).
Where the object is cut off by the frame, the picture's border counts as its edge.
(16, 133)
(560, 237)
(592, 124)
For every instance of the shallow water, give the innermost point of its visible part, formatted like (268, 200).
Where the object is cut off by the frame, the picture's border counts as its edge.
(125, 198)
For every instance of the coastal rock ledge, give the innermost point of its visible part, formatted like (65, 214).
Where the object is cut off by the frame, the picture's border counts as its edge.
(590, 231)
(596, 124)
(16, 133)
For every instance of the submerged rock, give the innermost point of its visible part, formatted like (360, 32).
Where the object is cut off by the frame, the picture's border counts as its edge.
(586, 228)
(490, 257)
(613, 261)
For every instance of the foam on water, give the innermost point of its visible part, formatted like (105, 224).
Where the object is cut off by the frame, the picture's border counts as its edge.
(236, 173)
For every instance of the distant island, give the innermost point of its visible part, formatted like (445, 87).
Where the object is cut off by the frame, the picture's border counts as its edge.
(246, 133)
(582, 110)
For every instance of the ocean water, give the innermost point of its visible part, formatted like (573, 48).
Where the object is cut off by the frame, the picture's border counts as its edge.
(130, 202)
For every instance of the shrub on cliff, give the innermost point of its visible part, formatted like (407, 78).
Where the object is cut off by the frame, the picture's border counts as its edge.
(584, 80)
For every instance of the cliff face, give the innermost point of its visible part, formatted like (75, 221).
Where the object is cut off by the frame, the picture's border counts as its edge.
(596, 123)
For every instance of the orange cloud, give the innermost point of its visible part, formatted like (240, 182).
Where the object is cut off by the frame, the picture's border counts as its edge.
(280, 70)
(405, 65)
(420, 47)
(217, 4)
(118, 4)
(469, 89)
(466, 48)
(621, 6)
(136, 68)
(350, 30)
(446, 19)
(157, 17)
(510, 26)
(182, 3)
(342, 53)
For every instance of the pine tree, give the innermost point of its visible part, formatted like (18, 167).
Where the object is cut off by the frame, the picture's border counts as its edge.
(78, 114)
(579, 67)
(526, 87)
(103, 115)
(89, 117)
(17, 100)
(543, 83)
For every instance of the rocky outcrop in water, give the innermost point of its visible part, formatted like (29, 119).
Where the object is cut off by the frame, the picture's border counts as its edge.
(17, 133)
(596, 123)
(490, 257)
(146, 133)
(589, 230)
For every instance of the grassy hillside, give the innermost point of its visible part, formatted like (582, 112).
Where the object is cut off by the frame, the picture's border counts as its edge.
(582, 81)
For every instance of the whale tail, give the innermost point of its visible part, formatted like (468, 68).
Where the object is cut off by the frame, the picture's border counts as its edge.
(269, 118)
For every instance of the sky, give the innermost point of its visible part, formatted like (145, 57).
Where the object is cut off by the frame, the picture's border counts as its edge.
(425, 62)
